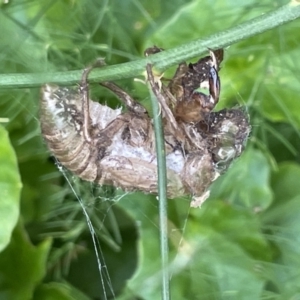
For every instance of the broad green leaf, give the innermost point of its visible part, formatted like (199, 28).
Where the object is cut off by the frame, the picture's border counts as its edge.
(58, 291)
(285, 182)
(282, 224)
(146, 281)
(211, 257)
(196, 19)
(218, 269)
(22, 266)
(240, 226)
(226, 248)
(279, 93)
(246, 182)
(10, 188)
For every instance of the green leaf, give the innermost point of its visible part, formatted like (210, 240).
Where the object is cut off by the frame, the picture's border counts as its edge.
(280, 93)
(218, 269)
(240, 226)
(198, 20)
(223, 248)
(213, 252)
(281, 223)
(10, 187)
(246, 183)
(58, 291)
(147, 280)
(285, 182)
(22, 266)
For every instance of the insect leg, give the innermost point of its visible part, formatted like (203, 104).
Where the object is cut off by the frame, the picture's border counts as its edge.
(84, 91)
(214, 85)
(130, 103)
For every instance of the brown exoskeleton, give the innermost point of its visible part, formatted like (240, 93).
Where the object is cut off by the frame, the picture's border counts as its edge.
(106, 146)
(192, 105)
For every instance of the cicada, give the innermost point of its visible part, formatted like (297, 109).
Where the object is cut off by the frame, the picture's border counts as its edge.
(115, 147)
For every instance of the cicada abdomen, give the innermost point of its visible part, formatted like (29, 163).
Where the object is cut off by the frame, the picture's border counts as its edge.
(61, 123)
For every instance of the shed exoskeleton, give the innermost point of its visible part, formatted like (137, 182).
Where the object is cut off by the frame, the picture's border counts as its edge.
(108, 146)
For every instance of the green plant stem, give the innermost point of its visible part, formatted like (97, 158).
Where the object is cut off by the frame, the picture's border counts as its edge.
(165, 59)
(162, 189)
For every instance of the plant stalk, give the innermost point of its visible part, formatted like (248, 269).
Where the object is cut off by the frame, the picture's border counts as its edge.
(161, 184)
(165, 59)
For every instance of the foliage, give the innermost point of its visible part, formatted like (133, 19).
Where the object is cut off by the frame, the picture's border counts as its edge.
(242, 244)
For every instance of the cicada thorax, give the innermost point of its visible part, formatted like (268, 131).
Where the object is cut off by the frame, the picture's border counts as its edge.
(193, 105)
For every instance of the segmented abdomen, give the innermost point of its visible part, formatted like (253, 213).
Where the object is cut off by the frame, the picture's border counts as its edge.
(61, 123)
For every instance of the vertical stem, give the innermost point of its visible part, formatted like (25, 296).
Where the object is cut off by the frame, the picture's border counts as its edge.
(84, 90)
(162, 183)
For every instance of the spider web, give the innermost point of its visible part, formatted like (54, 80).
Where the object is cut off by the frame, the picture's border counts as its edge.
(101, 200)
(103, 272)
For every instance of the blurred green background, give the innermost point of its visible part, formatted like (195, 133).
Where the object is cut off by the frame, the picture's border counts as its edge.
(244, 242)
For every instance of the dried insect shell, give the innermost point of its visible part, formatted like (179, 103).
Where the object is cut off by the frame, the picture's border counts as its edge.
(107, 146)
(111, 157)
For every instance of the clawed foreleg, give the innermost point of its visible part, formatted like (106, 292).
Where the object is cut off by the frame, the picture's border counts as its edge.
(84, 91)
(168, 114)
(129, 102)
